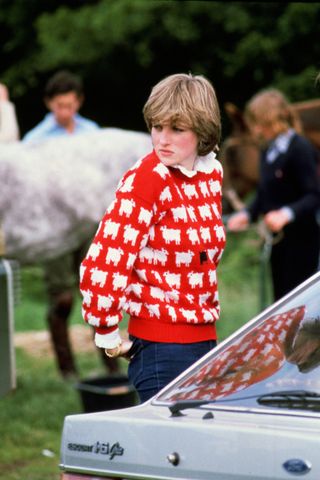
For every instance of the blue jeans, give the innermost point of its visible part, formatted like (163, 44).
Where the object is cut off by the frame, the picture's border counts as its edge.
(155, 364)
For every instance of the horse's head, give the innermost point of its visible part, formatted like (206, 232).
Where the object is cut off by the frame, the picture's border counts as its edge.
(309, 114)
(239, 156)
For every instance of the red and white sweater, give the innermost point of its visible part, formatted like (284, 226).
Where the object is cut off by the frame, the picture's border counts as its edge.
(155, 255)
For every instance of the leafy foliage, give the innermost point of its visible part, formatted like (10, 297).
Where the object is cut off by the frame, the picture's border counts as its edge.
(122, 47)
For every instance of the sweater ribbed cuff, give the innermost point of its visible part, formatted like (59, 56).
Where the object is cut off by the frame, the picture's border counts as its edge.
(109, 340)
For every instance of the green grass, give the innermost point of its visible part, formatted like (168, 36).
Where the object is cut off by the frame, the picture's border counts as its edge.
(31, 417)
(244, 291)
(31, 421)
(30, 312)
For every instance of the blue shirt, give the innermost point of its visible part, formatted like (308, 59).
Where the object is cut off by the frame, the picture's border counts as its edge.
(50, 128)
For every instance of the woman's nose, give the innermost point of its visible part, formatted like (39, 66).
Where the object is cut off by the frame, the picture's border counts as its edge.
(164, 136)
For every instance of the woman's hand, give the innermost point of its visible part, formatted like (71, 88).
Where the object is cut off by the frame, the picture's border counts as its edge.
(119, 351)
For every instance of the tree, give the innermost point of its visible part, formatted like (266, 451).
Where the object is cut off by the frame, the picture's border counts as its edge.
(122, 47)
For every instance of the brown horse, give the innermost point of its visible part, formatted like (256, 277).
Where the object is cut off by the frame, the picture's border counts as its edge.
(240, 152)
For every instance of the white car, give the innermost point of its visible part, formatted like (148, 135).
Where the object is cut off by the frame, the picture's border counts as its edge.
(250, 409)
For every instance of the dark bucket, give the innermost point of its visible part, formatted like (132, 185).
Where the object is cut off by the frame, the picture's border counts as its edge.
(107, 393)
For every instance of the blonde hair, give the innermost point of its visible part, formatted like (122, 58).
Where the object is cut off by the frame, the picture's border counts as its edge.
(189, 101)
(271, 107)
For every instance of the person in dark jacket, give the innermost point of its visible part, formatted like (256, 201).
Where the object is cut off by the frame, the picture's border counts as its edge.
(288, 195)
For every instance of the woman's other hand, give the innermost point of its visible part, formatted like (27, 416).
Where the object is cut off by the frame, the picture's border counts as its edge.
(275, 220)
(238, 222)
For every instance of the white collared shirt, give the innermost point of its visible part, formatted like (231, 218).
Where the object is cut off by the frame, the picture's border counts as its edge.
(279, 145)
(206, 164)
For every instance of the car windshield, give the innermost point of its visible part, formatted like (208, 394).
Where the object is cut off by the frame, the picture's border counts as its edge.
(273, 360)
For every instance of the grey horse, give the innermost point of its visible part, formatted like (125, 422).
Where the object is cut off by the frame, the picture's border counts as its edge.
(53, 194)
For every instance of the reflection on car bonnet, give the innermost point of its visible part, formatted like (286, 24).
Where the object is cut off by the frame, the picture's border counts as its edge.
(251, 359)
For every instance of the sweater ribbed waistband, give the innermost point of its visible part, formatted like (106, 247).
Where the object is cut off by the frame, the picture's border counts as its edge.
(157, 331)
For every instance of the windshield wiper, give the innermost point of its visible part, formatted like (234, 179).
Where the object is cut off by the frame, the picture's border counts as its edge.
(295, 399)
(176, 407)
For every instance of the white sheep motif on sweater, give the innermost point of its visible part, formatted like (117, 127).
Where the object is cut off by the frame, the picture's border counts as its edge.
(127, 184)
(184, 258)
(180, 213)
(171, 235)
(98, 276)
(110, 229)
(126, 207)
(94, 250)
(165, 195)
(193, 236)
(114, 255)
(105, 302)
(190, 191)
(130, 234)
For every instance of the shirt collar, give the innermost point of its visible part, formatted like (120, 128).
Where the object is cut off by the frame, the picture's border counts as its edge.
(51, 120)
(205, 164)
(279, 145)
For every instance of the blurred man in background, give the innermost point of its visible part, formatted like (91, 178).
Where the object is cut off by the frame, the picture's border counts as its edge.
(63, 96)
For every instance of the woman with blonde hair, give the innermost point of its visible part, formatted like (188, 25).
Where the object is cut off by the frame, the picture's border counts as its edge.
(156, 253)
(288, 194)
(270, 107)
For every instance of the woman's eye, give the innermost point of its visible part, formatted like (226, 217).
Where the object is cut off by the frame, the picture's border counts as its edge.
(157, 127)
(178, 129)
